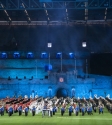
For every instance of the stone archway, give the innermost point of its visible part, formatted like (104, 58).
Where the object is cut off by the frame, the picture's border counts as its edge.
(61, 92)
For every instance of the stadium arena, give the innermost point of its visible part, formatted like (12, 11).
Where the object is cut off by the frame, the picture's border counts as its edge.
(55, 62)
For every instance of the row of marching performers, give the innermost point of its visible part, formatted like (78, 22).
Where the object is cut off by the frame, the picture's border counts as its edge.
(51, 110)
(20, 110)
(82, 109)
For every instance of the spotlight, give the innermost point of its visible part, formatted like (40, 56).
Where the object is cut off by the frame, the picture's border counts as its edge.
(4, 55)
(29, 55)
(44, 55)
(16, 55)
(71, 55)
(84, 44)
(58, 55)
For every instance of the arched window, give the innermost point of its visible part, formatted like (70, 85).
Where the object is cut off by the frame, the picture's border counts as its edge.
(73, 92)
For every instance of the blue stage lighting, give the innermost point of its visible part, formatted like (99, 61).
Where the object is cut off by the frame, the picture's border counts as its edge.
(16, 55)
(58, 55)
(29, 55)
(44, 55)
(71, 55)
(4, 55)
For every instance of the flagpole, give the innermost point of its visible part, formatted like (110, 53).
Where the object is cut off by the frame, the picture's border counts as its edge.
(75, 67)
(49, 45)
(61, 62)
(86, 68)
(36, 68)
(49, 58)
(49, 65)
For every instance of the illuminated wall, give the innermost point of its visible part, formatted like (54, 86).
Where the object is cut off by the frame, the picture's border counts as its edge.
(45, 85)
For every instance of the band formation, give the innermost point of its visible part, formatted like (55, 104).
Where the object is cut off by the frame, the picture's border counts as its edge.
(49, 107)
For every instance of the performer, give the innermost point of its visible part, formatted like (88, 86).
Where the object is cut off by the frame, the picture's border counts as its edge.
(26, 111)
(44, 108)
(80, 106)
(15, 108)
(83, 110)
(111, 108)
(94, 107)
(33, 110)
(62, 110)
(86, 107)
(101, 109)
(74, 106)
(51, 110)
(20, 110)
(90, 110)
(10, 110)
(2, 111)
(77, 110)
(54, 110)
(70, 110)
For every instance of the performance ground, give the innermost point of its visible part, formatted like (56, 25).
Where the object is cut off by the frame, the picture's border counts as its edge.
(57, 119)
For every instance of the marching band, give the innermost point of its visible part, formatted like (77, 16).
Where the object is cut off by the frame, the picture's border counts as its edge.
(68, 105)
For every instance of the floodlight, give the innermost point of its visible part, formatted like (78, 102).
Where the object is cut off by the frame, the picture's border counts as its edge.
(84, 44)
(49, 45)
